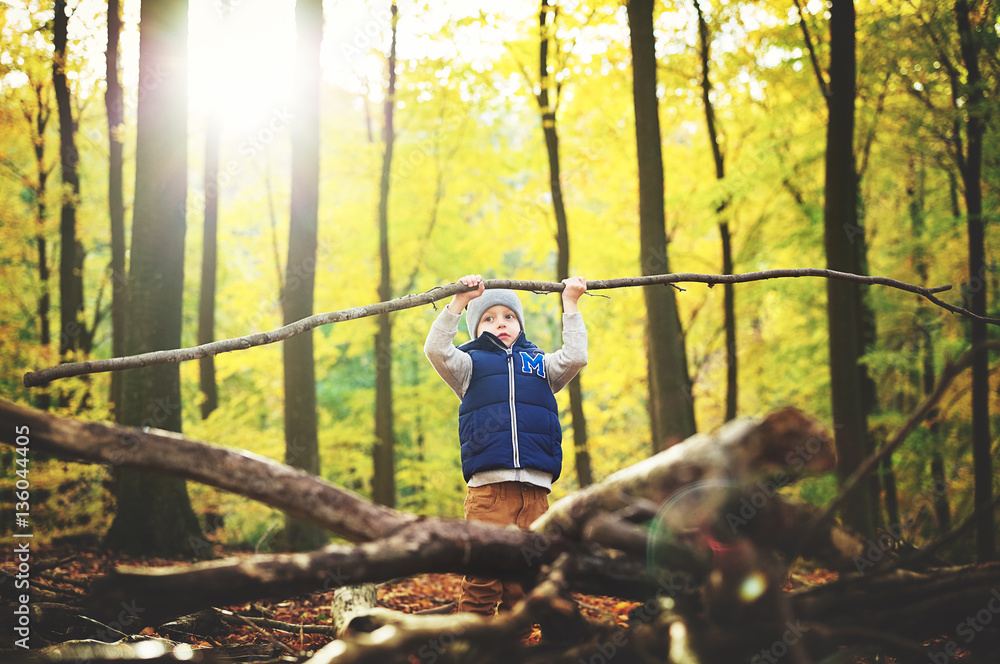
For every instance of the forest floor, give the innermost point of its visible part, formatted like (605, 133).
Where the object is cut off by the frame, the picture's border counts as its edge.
(69, 572)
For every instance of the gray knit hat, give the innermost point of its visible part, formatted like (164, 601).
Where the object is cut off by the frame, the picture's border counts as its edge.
(490, 298)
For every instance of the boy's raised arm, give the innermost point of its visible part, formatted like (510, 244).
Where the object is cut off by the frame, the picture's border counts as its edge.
(454, 366)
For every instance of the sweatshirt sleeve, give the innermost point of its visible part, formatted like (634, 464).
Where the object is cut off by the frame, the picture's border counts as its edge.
(454, 366)
(564, 364)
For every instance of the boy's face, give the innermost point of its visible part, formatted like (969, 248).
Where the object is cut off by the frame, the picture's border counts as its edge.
(501, 322)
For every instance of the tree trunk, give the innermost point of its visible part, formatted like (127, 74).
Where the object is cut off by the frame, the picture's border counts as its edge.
(671, 404)
(547, 107)
(72, 329)
(154, 515)
(383, 457)
(843, 299)
(301, 442)
(972, 179)
(114, 103)
(38, 122)
(888, 480)
(729, 295)
(942, 511)
(729, 312)
(209, 258)
(916, 190)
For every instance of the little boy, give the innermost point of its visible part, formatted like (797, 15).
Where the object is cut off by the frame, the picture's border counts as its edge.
(508, 421)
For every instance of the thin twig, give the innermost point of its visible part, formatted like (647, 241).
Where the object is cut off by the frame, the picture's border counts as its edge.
(52, 564)
(444, 608)
(824, 87)
(45, 376)
(291, 628)
(46, 584)
(284, 646)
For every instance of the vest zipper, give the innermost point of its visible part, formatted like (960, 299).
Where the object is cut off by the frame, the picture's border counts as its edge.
(513, 411)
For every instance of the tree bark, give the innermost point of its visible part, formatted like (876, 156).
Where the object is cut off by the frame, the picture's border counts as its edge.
(114, 103)
(843, 299)
(301, 440)
(975, 128)
(73, 331)
(350, 601)
(729, 296)
(209, 259)
(671, 404)
(547, 107)
(383, 456)
(154, 515)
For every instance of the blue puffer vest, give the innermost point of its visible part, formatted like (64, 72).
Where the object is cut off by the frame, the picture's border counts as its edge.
(508, 417)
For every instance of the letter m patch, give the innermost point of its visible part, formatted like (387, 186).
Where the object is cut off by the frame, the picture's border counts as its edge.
(533, 364)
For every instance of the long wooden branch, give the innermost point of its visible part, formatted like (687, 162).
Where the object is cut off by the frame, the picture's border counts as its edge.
(295, 491)
(46, 376)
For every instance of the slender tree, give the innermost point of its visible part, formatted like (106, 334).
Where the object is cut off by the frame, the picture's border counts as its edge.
(925, 332)
(971, 168)
(113, 101)
(383, 457)
(729, 295)
(671, 404)
(154, 515)
(72, 331)
(548, 103)
(209, 259)
(843, 298)
(301, 440)
(37, 117)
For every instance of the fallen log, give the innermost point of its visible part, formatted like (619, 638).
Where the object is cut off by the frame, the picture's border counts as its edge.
(671, 532)
(401, 544)
(786, 443)
(292, 490)
(429, 545)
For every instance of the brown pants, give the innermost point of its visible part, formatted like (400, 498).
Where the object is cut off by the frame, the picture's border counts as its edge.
(504, 503)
